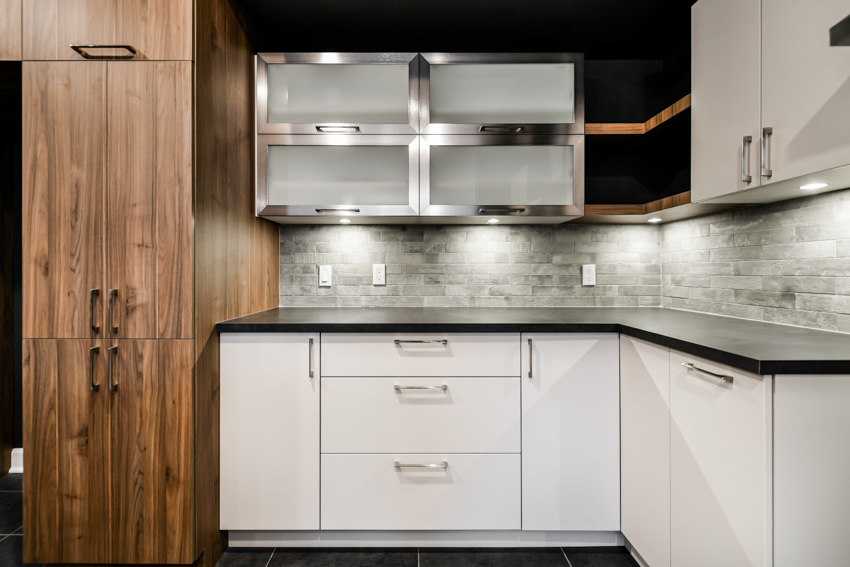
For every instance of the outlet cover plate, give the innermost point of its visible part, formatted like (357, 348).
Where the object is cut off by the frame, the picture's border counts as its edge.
(588, 274)
(325, 276)
(379, 274)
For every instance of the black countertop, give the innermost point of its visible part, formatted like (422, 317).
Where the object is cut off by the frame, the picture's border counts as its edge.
(761, 348)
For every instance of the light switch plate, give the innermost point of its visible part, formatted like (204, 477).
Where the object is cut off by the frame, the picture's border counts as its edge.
(379, 274)
(588, 274)
(325, 276)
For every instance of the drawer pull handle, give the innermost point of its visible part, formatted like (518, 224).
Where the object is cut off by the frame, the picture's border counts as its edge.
(339, 129)
(441, 465)
(723, 377)
(310, 356)
(398, 388)
(746, 141)
(81, 49)
(443, 342)
(766, 135)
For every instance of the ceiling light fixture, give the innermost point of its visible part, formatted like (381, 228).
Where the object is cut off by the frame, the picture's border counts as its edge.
(813, 186)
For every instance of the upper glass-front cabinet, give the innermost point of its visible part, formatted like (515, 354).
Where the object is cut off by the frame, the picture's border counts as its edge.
(502, 93)
(337, 93)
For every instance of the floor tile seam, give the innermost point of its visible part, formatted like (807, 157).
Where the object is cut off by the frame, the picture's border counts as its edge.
(564, 551)
(270, 557)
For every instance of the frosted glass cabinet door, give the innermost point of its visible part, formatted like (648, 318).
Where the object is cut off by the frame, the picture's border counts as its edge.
(333, 93)
(333, 176)
(502, 93)
(509, 176)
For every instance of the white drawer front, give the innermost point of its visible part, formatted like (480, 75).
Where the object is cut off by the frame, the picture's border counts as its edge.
(404, 354)
(471, 415)
(474, 492)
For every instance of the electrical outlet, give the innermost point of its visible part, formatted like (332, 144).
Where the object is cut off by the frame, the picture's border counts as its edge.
(325, 276)
(588, 274)
(379, 274)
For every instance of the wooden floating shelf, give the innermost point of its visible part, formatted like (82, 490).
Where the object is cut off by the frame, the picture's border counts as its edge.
(648, 208)
(675, 207)
(641, 127)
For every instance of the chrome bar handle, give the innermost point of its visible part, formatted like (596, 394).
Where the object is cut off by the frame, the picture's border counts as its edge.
(500, 210)
(81, 49)
(339, 129)
(442, 465)
(766, 135)
(110, 373)
(502, 129)
(723, 377)
(443, 342)
(310, 356)
(746, 142)
(398, 388)
(93, 295)
(530, 359)
(92, 354)
(113, 293)
(338, 210)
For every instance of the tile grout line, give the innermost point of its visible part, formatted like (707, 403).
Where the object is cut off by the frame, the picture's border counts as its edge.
(418, 564)
(565, 557)
(270, 556)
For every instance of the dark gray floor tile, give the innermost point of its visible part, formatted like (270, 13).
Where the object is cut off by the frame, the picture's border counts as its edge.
(12, 482)
(492, 557)
(12, 552)
(344, 557)
(245, 557)
(600, 557)
(11, 512)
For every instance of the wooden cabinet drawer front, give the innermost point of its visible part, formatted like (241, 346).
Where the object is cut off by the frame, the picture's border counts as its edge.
(369, 415)
(474, 492)
(399, 354)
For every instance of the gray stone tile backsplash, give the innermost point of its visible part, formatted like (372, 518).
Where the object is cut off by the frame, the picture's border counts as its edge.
(786, 262)
(471, 266)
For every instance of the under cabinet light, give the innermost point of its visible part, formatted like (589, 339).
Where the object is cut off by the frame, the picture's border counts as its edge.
(345, 221)
(813, 186)
(654, 220)
(493, 221)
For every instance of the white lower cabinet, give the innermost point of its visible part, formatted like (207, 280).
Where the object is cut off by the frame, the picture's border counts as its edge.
(433, 492)
(570, 432)
(720, 467)
(269, 431)
(645, 452)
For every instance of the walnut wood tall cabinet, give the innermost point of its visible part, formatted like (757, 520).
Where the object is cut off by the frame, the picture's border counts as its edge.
(138, 235)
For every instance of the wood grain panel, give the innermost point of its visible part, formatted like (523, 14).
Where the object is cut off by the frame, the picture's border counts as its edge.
(653, 207)
(173, 180)
(158, 29)
(10, 30)
(83, 447)
(64, 117)
(640, 127)
(669, 202)
(236, 254)
(151, 445)
(149, 238)
(41, 451)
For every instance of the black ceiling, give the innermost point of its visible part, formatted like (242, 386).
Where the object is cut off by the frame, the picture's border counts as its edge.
(602, 29)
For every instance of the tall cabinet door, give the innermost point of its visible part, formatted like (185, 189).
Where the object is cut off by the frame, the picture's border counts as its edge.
(149, 200)
(64, 142)
(720, 464)
(269, 386)
(66, 436)
(805, 86)
(570, 432)
(645, 454)
(725, 102)
(151, 395)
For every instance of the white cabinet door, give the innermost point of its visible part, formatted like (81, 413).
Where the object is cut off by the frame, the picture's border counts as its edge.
(720, 466)
(570, 432)
(269, 431)
(805, 86)
(459, 492)
(811, 470)
(725, 86)
(645, 454)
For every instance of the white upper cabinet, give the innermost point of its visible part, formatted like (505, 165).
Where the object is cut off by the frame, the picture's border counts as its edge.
(805, 87)
(502, 93)
(770, 98)
(337, 93)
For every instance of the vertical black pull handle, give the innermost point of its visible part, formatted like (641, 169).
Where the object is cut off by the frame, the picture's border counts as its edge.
(92, 354)
(113, 352)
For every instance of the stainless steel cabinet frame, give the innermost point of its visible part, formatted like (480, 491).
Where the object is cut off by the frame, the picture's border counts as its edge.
(333, 212)
(408, 126)
(428, 124)
(516, 213)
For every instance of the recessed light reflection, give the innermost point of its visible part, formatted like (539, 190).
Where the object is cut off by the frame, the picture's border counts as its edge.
(813, 186)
